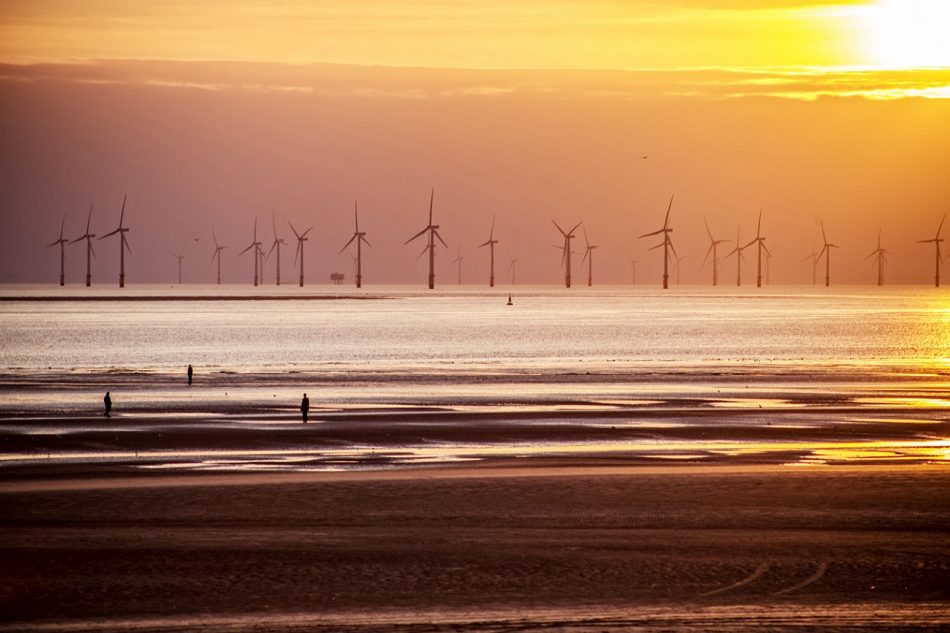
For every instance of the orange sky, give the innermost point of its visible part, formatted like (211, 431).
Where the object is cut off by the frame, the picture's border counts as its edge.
(220, 111)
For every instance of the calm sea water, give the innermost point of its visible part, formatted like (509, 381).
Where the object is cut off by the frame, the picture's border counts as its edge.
(393, 328)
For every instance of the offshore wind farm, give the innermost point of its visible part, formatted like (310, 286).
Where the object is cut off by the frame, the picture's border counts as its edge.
(441, 429)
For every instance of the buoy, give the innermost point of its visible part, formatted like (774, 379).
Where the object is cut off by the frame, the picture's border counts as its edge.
(509, 299)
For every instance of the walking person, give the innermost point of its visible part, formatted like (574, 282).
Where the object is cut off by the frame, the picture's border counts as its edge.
(190, 373)
(305, 407)
(108, 402)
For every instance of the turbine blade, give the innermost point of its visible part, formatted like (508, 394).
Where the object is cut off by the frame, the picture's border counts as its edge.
(571, 232)
(708, 232)
(122, 214)
(109, 234)
(365, 241)
(89, 219)
(125, 243)
(247, 249)
(423, 252)
(823, 237)
(356, 214)
(758, 229)
(62, 227)
(417, 235)
(666, 220)
(941, 226)
(672, 248)
(348, 243)
(297, 235)
(705, 257)
(559, 228)
(440, 238)
(431, 199)
(305, 232)
(653, 233)
(491, 232)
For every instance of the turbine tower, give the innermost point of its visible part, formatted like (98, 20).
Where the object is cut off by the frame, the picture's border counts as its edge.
(880, 253)
(491, 247)
(566, 251)
(360, 238)
(301, 238)
(123, 244)
(277, 243)
(667, 244)
(256, 253)
(939, 260)
(589, 253)
(180, 256)
(458, 260)
(826, 251)
(513, 261)
(737, 251)
(62, 241)
(433, 231)
(217, 253)
(760, 240)
(713, 248)
(90, 252)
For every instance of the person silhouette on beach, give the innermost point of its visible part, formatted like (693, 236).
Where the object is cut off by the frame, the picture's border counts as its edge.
(108, 402)
(305, 407)
(190, 373)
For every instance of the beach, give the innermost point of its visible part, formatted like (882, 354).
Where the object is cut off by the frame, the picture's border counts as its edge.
(500, 547)
(554, 487)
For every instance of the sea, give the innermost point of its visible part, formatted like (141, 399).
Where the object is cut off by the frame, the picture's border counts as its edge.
(534, 358)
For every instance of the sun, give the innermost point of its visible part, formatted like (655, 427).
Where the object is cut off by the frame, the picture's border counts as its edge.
(909, 33)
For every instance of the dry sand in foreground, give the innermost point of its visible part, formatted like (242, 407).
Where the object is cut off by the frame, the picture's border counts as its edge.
(475, 549)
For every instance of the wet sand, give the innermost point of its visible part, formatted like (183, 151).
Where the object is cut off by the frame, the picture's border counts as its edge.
(775, 499)
(497, 547)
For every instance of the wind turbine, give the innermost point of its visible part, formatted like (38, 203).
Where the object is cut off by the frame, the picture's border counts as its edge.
(217, 253)
(123, 244)
(826, 251)
(277, 242)
(513, 261)
(458, 260)
(667, 244)
(433, 231)
(881, 259)
(633, 270)
(936, 242)
(301, 238)
(813, 256)
(257, 251)
(180, 256)
(62, 241)
(90, 252)
(491, 247)
(760, 240)
(713, 248)
(360, 237)
(566, 251)
(737, 251)
(589, 253)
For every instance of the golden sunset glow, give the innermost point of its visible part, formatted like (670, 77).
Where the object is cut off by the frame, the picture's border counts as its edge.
(908, 33)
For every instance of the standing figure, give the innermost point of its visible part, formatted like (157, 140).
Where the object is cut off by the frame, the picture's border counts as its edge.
(108, 402)
(305, 407)
(190, 373)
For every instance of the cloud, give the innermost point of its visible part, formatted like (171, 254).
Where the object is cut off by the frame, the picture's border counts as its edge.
(329, 81)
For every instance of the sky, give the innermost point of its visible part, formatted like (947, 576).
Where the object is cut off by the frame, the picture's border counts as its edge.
(214, 114)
